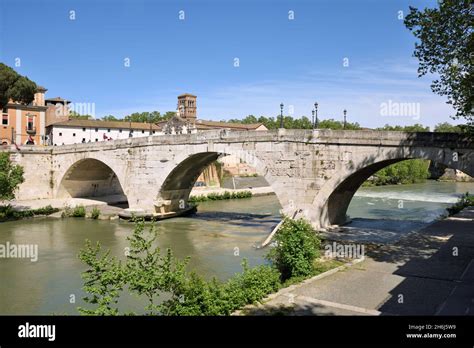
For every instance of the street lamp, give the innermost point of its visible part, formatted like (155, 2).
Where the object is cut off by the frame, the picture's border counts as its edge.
(345, 112)
(281, 115)
(312, 123)
(316, 113)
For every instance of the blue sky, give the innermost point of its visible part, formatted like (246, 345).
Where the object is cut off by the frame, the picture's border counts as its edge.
(296, 62)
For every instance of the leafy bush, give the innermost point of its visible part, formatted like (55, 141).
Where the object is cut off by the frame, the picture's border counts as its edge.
(148, 273)
(405, 172)
(95, 213)
(11, 176)
(48, 210)
(297, 247)
(8, 213)
(252, 285)
(464, 201)
(79, 211)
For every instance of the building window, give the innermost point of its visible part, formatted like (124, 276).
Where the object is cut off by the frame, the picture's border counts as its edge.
(31, 123)
(5, 119)
(83, 129)
(96, 139)
(108, 130)
(120, 131)
(153, 132)
(143, 131)
(97, 129)
(73, 134)
(83, 140)
(60, 134)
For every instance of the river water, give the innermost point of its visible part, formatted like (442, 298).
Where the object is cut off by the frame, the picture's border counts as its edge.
(217, 238)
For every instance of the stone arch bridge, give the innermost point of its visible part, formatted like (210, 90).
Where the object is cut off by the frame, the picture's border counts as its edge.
(314, 173)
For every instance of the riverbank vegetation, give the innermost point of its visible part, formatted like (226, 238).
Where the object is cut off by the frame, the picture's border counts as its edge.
(220, 196)
(11, 176)
(405, 172)
(464, 201)
(77, 211)
(8, 213)
(149, 272)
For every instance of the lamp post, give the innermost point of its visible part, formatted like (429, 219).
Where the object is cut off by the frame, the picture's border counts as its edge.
(316, 114)
(312, 123)
(345, 112)
(281, 115)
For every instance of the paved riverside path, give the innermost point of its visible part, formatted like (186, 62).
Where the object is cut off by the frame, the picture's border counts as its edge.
(430, 272)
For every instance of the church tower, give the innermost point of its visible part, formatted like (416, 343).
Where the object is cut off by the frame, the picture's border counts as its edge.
(187, 107)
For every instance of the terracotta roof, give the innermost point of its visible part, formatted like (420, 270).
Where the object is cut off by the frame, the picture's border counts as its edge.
(106, 124)
(57, 99)
(203, 124)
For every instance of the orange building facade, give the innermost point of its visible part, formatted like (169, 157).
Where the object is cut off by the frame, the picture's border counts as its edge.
(24, 124)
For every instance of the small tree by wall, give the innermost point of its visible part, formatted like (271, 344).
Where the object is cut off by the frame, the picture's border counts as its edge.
(11, 176)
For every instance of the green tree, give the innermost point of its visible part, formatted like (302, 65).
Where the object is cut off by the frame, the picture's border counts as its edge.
(15, 86)
(447, 127)
(11, 176)
(110, 118)
(404, 172)
(446, 43)
(76, 115)
(413, 128)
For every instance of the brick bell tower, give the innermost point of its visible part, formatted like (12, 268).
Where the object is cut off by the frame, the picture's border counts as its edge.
(187, 107)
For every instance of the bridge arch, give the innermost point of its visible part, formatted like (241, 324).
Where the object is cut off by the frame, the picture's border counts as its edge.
(334, 198)
(89, 177)
(181, 175)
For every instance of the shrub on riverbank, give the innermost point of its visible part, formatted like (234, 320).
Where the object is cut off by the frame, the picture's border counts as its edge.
(95, 213)
(464, 201)
(78, 211)
(220, 196)
(405, 172)
(7, 212)
(148, 273)
(297, 247)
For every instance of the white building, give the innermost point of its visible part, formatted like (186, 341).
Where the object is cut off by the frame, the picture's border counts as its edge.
(76, 131)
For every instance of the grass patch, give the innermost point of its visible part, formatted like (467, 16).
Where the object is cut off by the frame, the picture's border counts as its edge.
(7, 213)
(95, 213)
(220, 196)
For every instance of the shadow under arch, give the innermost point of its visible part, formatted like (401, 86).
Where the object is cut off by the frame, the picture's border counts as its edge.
(90, 177)
(339, 200)
(178, 184)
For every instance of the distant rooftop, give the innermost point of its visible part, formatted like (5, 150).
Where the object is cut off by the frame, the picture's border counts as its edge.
(107, 124)
(203, 124)
(57, 99)
(187, 95)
